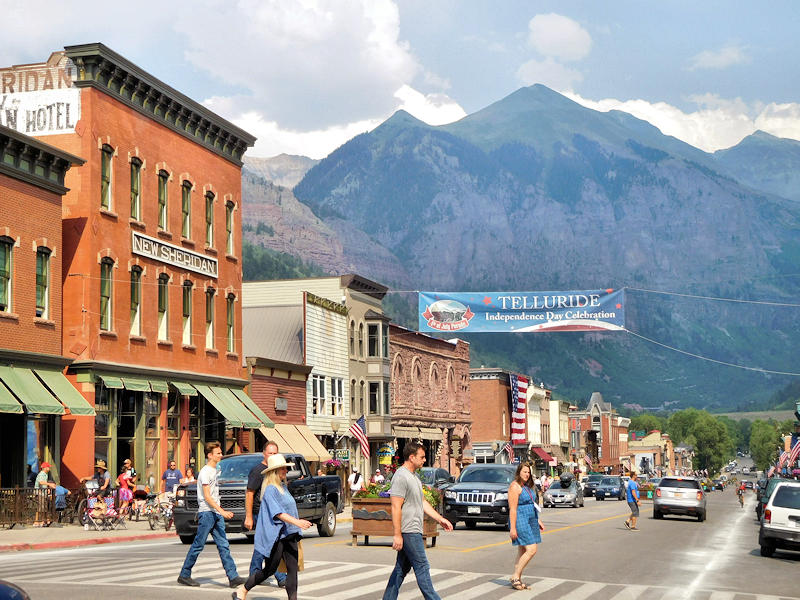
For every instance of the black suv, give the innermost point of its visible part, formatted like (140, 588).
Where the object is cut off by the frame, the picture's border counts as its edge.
(479, 495)
(591, 482)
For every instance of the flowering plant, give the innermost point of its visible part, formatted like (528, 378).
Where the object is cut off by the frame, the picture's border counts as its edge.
(334, 463)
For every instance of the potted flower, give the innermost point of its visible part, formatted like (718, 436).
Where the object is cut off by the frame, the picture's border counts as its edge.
(332, 465)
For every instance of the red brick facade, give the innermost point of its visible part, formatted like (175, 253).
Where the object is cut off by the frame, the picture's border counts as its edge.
(272, 383)
(491, 412)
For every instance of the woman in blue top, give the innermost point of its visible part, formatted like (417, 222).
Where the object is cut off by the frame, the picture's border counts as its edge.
(278, 529)
(524, 523)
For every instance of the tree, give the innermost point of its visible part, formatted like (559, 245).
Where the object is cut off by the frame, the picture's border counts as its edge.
(712, 442)
(734, 432)
(764, 444)
(744, 429)
(646, 423)
(680, 424)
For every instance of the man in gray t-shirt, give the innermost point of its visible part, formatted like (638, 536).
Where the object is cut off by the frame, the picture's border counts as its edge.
(408, 507)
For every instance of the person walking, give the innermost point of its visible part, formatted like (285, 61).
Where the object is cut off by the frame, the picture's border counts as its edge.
(524, 525)
(255, 482)
(632, 495)
(210, 519)
(355, 482)
(408, 507)
(278, 531)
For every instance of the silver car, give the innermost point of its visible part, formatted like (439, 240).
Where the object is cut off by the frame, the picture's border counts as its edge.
(679, 496)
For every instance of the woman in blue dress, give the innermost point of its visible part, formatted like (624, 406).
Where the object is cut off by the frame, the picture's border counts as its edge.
(524, 523)
(277, 531)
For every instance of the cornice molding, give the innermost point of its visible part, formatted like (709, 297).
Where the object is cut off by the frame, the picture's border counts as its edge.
(27, 159)
(101, 68)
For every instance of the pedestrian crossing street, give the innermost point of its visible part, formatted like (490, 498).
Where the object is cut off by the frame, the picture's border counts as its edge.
(341, 581)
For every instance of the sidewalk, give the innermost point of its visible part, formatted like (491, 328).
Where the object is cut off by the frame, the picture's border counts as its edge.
(70, 536)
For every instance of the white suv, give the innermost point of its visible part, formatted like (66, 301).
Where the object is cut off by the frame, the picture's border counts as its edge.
(780, 522)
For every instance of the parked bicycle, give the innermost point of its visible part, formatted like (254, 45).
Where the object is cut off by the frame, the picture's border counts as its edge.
(159, 511)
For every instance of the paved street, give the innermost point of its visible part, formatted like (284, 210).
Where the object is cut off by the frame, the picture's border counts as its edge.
(586, 554)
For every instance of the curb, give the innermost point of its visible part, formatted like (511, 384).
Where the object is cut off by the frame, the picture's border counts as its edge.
(84, 542)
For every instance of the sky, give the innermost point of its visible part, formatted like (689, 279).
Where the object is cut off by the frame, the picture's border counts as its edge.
(305, 76)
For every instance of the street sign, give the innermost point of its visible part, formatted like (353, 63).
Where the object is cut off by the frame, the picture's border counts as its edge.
(341, 454)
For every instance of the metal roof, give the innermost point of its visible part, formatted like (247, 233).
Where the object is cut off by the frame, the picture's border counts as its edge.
(274, 332)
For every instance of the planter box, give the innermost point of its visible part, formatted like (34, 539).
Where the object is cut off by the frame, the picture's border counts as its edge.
(373, 516)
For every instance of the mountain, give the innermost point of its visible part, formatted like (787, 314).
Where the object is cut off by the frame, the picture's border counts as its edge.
(536, 192)
(765, 162)
(284, 170)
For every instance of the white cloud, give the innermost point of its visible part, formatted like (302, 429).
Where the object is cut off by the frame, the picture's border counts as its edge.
(559, 37)
(434, 109)
(719, 59)
(718, 123)
(550, 73)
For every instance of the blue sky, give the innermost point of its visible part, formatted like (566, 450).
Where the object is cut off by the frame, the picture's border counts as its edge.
(307, 75)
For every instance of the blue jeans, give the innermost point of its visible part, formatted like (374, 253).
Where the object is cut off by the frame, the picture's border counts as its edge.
(211, 522)
(258, 560)
(412, 555)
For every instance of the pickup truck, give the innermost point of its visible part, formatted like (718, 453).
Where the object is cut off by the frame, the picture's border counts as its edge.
(319, 498)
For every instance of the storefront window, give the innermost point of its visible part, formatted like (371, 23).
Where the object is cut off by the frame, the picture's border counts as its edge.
(173, 426)
(104, 399)
(40, 441)
(152, 444)
(127, 419)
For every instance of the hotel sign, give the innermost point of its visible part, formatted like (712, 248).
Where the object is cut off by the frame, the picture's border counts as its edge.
(173, 255)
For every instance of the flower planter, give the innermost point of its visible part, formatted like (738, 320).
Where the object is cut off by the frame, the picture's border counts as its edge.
(373, 516)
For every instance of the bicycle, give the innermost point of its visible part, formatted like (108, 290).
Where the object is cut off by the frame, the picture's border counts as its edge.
(160, 513)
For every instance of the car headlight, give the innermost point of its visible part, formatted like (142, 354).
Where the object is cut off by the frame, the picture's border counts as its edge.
(501, 496)
(450, 495)
(569, 496)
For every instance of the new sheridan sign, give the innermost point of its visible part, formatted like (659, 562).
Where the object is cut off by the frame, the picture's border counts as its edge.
(173, 255)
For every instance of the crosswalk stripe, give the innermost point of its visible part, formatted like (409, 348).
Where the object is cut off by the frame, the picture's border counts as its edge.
(543, 585)
(584, 591)
(480, 591)
(441, 586)
(721, 596)
(356, 578)
(629, 592)
(152, 573)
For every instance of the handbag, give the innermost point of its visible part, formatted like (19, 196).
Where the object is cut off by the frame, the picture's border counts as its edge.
(300, 565)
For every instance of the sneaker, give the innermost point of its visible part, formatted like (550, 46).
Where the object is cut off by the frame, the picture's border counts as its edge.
(628, 525)
(634, 529)
(281, 582)
(237, 581)
(188, 581)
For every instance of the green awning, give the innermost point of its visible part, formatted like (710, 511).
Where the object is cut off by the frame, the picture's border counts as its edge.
(111, 382)
(136, 385)
(159, 385)
(253, 407)
(26, 387)
(184, 388)
(65, 392)
(227, 411)
(247, 418)
(8, 403)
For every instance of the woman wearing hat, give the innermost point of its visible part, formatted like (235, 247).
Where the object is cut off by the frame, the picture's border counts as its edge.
(278, 529)
(101, 476)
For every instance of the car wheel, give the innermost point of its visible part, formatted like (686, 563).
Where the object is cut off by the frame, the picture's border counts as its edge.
(327, 524)
(767, 550)
(471, 523)
(657, 514)
(187, 539)
(701, 517)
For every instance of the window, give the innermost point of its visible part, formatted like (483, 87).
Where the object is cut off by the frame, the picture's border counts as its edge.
(163, 306)
(229, 227)
(230, 300)
(361, 340)
(352, 397)
(352, 339)
(43, 282)
(373, 335)
(6, 246)
(187, 313)
(136, 301)
(385, 340)
(106, 287)
(106, 154)
(163, 178)
(361, 398)
(374, 395)
(386, 405)
(210, 294)
(210, 219)
(318, 394)
(337, 396)
(186, 209)
(136, 189)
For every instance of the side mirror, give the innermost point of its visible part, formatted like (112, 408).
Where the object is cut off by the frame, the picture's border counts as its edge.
(452, 479)
(292, 475)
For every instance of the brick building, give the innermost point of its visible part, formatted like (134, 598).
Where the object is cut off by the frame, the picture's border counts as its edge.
(490, 392)
(602, 436)
(34, 394)
(152, 261)
(431, 400)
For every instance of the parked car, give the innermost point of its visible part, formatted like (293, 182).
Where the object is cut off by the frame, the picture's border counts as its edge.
(680, 496)
(780, 527)
(480, 494)
(610, 487)
(750, 485)
(561, 493)
(436, 477)
(319, 498)
(765, 493)
(591, 483)
(719, 484)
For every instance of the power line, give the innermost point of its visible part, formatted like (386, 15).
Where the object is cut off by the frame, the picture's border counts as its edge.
(715, 298)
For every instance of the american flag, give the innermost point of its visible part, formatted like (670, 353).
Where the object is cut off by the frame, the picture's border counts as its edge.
(795, 453)
(771, 471)
(588, 460)
(783, 458)
(359, 431)
(519, 395)
(508, 450)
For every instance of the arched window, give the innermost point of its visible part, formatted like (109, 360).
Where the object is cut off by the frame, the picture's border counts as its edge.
(43, 282)
(210, 297)
(136, 189)
(106, 155)
(163, 179)
(229, 207)
(186, 209)
(230, 308)
(361, 340)
(163, 306)
(210, 219)
(187, 313)
(352, 339)
(6, 273)
(106, 294)
(136, 300)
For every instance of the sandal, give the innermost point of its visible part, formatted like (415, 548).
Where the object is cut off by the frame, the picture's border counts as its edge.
(518, 585)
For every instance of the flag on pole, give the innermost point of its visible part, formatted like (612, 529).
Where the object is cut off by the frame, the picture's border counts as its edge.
(519, 398)
(508, 450)
(794, 453)
(782, 460)
(588, 460)
(771, 471)
(359, 431)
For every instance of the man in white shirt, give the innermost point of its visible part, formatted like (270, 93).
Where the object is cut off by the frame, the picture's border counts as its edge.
(210, 519)
(355, 481)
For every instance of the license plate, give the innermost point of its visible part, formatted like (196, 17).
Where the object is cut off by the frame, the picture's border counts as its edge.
(558, 499)
(677, 494)
(608, 493)
(473, 510)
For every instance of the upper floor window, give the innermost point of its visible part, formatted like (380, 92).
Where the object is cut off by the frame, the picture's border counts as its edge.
(106, 154)
(210, 295)
(386, 404)
(361, 397)
(6, 271)
(187, 313)
(230, 307)
(163, 306)
(136, 189)
(106, 293)
(385, 340)
(163, 179)
(337, 396)
(229, 227)
(361, 340)
(374, 397)
(43, 282)
(186, 209)
(318, 394)
(353, 397)
(136, 301)
(373, 337)
(210, 219)
(352, 338)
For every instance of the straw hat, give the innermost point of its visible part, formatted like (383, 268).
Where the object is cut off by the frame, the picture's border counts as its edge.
(276, 461)
(100, 464)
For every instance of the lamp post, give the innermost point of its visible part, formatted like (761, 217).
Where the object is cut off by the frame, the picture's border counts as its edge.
(335, 429)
